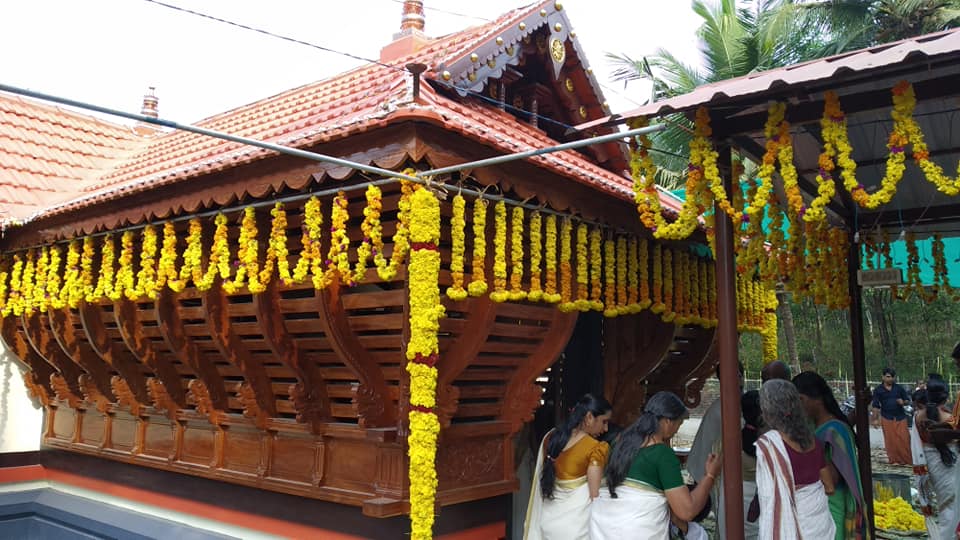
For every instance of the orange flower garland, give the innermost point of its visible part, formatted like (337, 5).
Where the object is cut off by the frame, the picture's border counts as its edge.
(609, 279)
(657, 301)
(566, 269)
(550, 288)
(596, 269)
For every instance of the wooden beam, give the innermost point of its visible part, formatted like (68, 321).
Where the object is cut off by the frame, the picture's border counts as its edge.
(635, 346)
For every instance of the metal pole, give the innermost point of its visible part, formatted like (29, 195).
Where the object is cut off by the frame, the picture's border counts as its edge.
(536, 152)
(728, 372)
(860, 389)
(208, 132)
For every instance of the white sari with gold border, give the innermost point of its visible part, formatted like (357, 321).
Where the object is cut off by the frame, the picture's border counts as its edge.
(639, 511)
(565, 516)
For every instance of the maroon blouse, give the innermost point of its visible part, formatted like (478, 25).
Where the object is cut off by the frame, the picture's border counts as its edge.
(806, 465)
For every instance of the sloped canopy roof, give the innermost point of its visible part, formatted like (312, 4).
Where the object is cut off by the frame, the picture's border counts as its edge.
(366, 98)
(863, 79)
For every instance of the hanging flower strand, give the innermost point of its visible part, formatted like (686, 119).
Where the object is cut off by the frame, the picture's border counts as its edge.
(478, 279)
(516, 256)
(550, 289)
(457, 225)
(536, 256)
(499, 293)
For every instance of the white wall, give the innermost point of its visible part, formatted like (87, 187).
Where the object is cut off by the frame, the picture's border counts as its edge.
(20, 420)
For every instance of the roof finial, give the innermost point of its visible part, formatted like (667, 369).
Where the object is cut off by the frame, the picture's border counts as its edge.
(413, 17)
(151, 103)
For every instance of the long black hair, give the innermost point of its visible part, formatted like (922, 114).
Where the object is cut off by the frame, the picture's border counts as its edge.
(752, 418)
(597, 406)
(937, 394)
(812, 385)
(661, 405)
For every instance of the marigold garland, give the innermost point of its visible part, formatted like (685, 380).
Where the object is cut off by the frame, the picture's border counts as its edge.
(457, 225)
(596, 269)
(516, 256)
(370, 227)
(387, 270)
(621, 277)
(566, 269)
(657, 301)
(310, 261)
(633, 276)
(499, 293)
(167, 274)
(338, 262)
(422, 350)
(478, 274)
(14, 302)
(276, 257)
(105, 281)
(72, 291)
(582, 302)
(39, 297)
(147, 275)
(124, 285)
(536, 256)
(609, 278)
(550, 293)
(668, 301)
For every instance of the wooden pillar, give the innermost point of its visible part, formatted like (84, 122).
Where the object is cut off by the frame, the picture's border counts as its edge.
(860, 388)
(727, 348)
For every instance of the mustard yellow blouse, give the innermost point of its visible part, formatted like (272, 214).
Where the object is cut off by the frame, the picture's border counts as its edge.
(573, 462)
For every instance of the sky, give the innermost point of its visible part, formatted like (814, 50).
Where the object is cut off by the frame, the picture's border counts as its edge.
(108, 52)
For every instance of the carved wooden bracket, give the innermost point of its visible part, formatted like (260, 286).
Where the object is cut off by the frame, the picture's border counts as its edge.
(38, 336)
(634, 346)
(125, 396)
(61, 322)
(482, 314)
(63, 391)
(248, 400)
(235, 350)
(374, 408)
(92, 394)
(172, 330)
(112, 354)
(161, 398)
(523, 394)
(131, 330)
(201, 398)
(17, 343)
(309, 394)
(35, 390)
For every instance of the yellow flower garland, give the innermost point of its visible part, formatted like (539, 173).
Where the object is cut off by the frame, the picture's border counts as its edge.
(550, 293)
(621, 277)
(105, 281)
(310, 261)
(15, 298)
(125, 285)
(72, 291)
(371, 229)
(536, 257)
(633, 276)
(53, 284)
(422, 350)
(39, 297)
(167, 274)
(609, 279)
(338, 262)
(516, 256)
(657, 300)
(147, 275)
(457, 225)
(499, 293)
(277, 248)
(478, 274)
(596, 267)
(583, 292)
(566, 269)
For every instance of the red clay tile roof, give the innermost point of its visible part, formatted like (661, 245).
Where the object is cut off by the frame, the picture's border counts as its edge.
(49, 155)
(365, 98)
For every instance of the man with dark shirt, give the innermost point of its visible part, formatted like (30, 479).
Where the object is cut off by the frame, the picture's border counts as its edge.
(888, 401)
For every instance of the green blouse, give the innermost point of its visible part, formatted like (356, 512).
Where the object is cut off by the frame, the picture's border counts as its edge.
(656, 466)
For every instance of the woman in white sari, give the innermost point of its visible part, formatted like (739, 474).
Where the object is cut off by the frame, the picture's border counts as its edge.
(793, 478)
(568, 474)
(933, 425)
(644, 484)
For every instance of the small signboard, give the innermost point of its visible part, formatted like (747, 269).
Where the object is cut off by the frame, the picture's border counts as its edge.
(881, 277)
